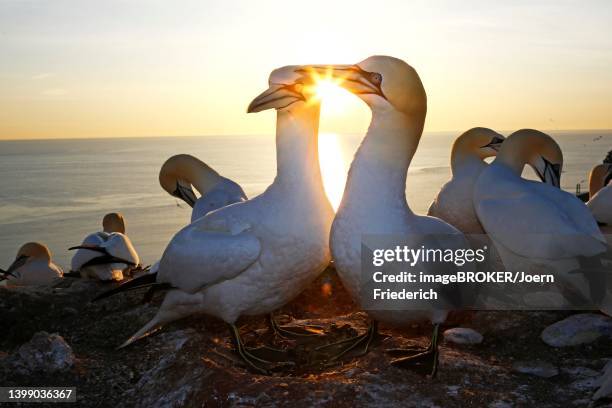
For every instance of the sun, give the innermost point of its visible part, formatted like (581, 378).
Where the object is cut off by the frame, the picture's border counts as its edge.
(334, 98)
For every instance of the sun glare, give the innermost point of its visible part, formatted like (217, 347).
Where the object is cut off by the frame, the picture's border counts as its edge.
(333, 167)
(333, 97)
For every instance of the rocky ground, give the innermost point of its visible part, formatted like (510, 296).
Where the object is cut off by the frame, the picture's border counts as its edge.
(192, 363)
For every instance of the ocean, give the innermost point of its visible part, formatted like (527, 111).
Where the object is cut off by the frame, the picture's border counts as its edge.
(56, 191)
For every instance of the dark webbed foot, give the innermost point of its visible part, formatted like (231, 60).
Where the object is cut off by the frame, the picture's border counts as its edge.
(422, 360)
(346, 345)
(256, 359)
(293, 331)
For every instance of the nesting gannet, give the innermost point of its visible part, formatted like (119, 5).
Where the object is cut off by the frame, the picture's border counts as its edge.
(600, 195)
(537, 225)
(252, 257)
(374, 200)
(179, 173)
(106, 255)
(32, 266)
(454, 203)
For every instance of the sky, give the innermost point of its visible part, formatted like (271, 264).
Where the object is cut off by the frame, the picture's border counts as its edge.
(162, 68)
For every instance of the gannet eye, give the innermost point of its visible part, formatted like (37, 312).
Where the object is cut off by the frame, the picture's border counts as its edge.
(375, 78)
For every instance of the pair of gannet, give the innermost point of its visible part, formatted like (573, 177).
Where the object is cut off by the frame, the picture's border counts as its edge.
(252, 257)
(600, 195)
(536, 225)
(374, 200)
(106, 255)
(454, 203)
(179, 173)
(32, 266)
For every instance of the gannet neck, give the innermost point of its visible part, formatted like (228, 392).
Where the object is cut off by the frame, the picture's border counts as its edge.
(192, 170)
(465, 159)
(382, 160)
(297, 156)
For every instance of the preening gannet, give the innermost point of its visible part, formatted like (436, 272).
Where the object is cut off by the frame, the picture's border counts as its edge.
(252, 257)
(106, 255)
(179, 173)
(600, 195)
(32, 266)
(374, 200)
(533, 224)
(454, 203)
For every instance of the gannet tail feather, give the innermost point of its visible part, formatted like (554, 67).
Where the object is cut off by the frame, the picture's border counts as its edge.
(148, 280)
(90, 247)
(72, 274)
(148, 329)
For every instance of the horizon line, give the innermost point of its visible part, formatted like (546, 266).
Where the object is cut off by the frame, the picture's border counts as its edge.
(260, 135)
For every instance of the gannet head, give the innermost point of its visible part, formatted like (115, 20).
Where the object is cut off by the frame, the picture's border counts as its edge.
(177, 175)
(27, 253)
(113, 222)
(540, 151)
(600, 176)
(479, 141)
(382, 82)
(289, 89)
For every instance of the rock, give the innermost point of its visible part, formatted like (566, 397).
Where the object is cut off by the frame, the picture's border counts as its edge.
(500, 404)
(604, 383)
(538, 368)
(46, 353)
(462, 335)
(577, 329)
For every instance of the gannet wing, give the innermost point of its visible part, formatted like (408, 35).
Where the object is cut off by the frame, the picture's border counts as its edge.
(198, 257)
(543, 224)
(120, 246)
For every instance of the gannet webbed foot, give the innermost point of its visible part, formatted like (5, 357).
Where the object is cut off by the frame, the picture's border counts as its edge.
(425, 361)
(259, 364)
(351, 343)
(285, 332)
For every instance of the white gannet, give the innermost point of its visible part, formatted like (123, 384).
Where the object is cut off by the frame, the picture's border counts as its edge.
(252, 257)
(374, 200)
(536, 226)
(454, 203)
(106, 255)
(600, 196)
(32, 266)
(179, 173)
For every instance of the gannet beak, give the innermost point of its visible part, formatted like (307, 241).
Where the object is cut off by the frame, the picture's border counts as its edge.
(608, 176)
(185, 193)
(278, 96)
(18, 263)
(495, 144)
(551, 174)
(351, 77)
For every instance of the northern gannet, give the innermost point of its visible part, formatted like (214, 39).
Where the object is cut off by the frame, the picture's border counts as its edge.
(252, 257)
(600, 196)
(179, 173)
(537, 225)
(454, 203)
(32, 266)
(374, 200)
(106, 255)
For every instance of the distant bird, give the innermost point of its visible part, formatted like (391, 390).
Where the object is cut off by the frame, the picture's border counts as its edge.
(179, 173)
(32, 266)
(374, 200)
(106, 255)
(253, 257)
(600, 196)
(454, 203)
(537, 225)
